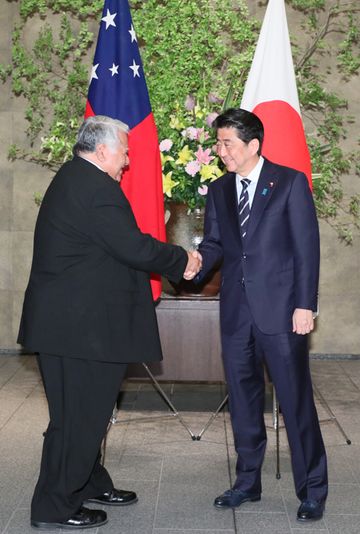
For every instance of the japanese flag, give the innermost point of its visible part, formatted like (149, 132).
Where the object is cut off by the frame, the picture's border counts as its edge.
(270, 92)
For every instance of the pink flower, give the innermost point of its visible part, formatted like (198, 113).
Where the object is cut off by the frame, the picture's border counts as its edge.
(195, 134)
(214, 99)
(201, 135)
(189, 103)
(202, 190)
(192, 167)
(165, 145)
(190, 133)
(203, 156)
(210, 118)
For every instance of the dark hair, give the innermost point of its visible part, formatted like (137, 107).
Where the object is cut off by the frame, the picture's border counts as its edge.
(247, 125)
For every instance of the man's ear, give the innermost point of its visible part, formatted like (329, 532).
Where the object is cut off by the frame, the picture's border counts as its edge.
(100, 152)
(254, 146)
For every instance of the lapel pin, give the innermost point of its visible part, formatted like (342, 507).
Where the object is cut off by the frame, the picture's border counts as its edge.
(271, 184)
(264, 191)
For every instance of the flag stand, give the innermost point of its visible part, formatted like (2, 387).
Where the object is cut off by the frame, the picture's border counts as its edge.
(332, 418)
(276, 422)
(159, 389)
(275, 426)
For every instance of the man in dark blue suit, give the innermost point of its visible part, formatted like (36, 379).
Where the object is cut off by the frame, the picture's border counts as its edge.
(260, 222)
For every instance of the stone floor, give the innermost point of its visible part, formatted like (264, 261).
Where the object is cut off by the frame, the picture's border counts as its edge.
(175, 477)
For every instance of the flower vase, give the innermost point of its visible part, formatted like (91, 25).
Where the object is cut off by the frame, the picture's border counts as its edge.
(186, 228)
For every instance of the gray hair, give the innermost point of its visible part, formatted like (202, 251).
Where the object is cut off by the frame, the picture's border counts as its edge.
(98, 129)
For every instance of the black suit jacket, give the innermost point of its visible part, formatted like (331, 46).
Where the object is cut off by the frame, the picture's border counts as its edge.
(89, 293)
(279, 260)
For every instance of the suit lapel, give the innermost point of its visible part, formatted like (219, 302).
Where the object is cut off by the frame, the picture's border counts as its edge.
(265, 188)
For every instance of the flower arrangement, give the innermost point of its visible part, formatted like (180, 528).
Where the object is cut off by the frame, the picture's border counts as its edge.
(186, 155)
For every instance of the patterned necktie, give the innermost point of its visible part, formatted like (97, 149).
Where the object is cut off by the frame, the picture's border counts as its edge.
(244, 207)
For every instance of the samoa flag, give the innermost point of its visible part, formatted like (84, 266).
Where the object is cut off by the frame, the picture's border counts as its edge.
(118, 89)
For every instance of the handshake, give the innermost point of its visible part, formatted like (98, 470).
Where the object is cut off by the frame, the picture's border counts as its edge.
(194, 264)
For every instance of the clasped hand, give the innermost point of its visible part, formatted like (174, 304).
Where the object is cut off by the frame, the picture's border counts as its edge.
(194, 264)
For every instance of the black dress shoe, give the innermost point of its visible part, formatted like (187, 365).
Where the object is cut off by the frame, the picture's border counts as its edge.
(310, 510)
(115, 497)
(84, 518)
(233, 498)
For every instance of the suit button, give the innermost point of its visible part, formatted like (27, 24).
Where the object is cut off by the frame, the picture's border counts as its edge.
(244, 256)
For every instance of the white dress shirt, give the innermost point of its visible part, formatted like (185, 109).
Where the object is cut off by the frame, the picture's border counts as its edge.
(253, 176)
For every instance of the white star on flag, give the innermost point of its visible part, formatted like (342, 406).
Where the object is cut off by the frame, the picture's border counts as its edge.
(133, 34)
(109, 19)
(114, 69)
(94, 76)
(135, 68)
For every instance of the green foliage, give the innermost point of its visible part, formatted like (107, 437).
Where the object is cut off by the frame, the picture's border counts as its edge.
(38, 199)
(13, 152)
(329, 163)
(194, 47)
(52, 77)
(326, 110)
(349, 57)
(307, 6)
(197, 47)
(79, 8)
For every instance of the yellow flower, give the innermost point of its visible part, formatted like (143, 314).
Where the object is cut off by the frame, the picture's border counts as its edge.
(168, 183)
(164, 159)
(210, 172)
(185, 155)
(175, 123)
(199, 113)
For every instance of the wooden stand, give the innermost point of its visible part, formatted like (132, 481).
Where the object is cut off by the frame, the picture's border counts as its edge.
(190, 337)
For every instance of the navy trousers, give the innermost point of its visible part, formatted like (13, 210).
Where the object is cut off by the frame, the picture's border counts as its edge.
(287, 359)
(81, 395)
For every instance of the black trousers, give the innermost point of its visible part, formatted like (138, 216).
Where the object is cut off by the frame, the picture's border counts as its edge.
(81, 395)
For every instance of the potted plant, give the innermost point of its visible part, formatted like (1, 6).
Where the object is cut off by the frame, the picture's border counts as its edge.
(189, 165)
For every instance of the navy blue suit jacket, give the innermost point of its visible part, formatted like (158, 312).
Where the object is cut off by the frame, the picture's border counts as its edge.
(278, 262)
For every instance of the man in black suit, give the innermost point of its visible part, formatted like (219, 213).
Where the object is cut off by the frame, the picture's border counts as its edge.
(260, 222)
(88, 312)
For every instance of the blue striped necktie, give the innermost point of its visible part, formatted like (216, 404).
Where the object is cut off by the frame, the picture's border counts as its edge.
(244, 207)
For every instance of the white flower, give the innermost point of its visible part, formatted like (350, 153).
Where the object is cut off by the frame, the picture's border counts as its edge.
(202, 190)
(192, 167)
(165, 145)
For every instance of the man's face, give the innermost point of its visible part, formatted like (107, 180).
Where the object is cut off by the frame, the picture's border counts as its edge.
(236, 155)
(115, 159)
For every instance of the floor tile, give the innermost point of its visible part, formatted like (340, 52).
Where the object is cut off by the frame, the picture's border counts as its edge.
(343, 524)
(343, 499)
(192, 531)
(20, 524)
(261, 523)
(177, 478)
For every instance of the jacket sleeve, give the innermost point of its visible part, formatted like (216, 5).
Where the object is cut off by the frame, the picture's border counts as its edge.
(114, 229)
(210, 248)
(306, 243)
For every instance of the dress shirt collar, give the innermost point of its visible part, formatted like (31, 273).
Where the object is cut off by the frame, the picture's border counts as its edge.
(253, 175)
